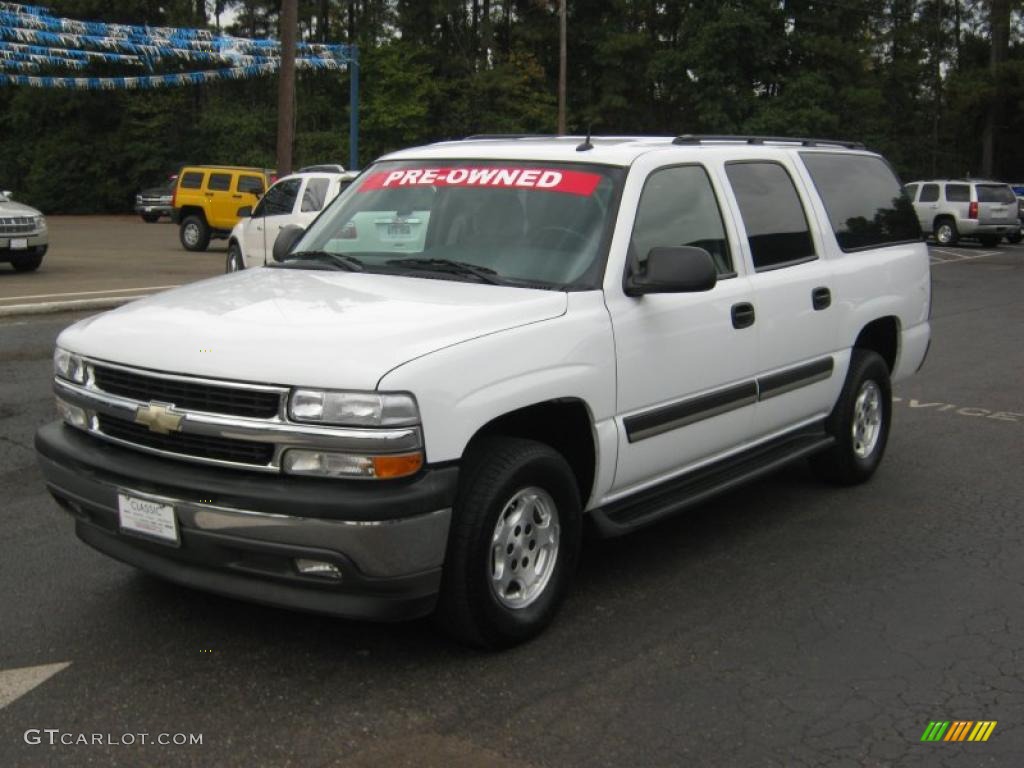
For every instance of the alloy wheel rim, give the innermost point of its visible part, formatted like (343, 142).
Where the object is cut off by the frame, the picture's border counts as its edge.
(945, 234)
(191, 234)
(867, 419)
(524, 548)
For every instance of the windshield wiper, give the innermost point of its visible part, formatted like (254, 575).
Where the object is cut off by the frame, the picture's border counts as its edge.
(483, 274)
(338, 260)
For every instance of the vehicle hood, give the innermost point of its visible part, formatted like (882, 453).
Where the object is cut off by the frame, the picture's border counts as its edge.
(155, 192)
(304, 327)
(11, 208)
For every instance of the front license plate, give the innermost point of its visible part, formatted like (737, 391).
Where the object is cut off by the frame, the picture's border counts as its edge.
(19, 244)
(151, 519)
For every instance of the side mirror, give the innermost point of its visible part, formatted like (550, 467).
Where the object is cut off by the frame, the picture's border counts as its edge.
(676, 269)
(244, 212)
(286, 239)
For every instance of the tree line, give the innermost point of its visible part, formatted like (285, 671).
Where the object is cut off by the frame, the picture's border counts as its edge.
(936, 85)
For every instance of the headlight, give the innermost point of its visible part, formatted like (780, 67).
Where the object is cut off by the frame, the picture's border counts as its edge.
(353, 409)
(138, 199)
(40, 222)
(68, 366)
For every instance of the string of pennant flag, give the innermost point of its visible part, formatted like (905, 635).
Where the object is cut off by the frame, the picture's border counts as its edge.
(33, 43)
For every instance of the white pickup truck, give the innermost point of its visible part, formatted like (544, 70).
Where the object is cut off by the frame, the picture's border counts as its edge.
(479, 347)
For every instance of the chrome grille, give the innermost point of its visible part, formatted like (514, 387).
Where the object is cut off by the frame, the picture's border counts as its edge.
(187, 395)
(198, 446)
(17, 225)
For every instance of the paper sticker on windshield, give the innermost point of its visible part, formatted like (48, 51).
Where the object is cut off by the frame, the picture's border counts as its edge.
(544, 179)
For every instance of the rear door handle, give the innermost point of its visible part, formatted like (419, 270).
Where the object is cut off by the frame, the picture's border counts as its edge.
(742, 315)
(821, 298)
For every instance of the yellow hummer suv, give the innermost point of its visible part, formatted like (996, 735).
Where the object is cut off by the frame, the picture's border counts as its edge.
(207, 199)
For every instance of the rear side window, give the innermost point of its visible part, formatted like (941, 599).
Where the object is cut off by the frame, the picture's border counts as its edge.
(192, 180)
(219, 182)
(995, 193)
(772, 214)
(929, 193)
(678, 207)
(958, 193)
(251, 184)
(866, 205)
(314, 195)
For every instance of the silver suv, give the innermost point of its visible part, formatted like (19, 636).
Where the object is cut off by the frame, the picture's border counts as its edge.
(986, 210)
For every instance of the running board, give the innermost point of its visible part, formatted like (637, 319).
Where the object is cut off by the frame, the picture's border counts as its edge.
(673, 496)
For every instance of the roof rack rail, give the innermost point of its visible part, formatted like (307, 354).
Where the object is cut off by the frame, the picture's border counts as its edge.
(481, 136)
(690, 138)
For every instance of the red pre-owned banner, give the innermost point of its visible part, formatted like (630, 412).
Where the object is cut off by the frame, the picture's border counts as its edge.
(499, 177)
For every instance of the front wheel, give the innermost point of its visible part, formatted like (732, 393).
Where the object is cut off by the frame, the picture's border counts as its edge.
(234, 262)
(859, 422)
(150, 218)
(513, 545)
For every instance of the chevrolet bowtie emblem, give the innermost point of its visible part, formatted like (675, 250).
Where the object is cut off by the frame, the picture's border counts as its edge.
(159, 418)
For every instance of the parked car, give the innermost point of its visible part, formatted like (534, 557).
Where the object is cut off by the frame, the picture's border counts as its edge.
(154, 202)
(24, 237)
(614, 329)
(952, 209)
(293, 200)
(207, 198)
(1018, 190)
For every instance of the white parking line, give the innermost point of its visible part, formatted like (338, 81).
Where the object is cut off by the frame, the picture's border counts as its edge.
(88, 293)
(15, 683)
(958, 255)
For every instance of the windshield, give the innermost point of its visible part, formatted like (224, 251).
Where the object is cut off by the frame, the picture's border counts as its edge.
(524, 223)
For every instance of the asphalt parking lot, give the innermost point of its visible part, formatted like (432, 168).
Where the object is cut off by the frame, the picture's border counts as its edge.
(785, 624)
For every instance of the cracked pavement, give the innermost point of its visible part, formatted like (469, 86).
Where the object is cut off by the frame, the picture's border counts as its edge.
(785, 624)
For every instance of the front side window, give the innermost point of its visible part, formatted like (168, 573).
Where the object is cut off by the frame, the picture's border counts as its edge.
(315, 194)
(911, 190)
(280, 198)
(192, 180)
(529, 223)
(996, 193)
(929, 193)
(865, 203)
(253, 185)
(219, 182)
(772, 214)
(678, 207)
(958, 193)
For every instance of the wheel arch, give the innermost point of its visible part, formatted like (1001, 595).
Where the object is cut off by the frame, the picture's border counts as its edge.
(564, 424)
(192, 210)
(881, 335)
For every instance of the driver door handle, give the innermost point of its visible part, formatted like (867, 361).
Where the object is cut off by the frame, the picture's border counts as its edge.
(742, 315)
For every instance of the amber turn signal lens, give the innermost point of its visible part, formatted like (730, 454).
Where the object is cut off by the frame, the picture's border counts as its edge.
(397, 466)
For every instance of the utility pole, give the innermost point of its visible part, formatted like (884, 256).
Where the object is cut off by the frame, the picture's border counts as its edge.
(286, 86)
(999, 24)
(561, 66)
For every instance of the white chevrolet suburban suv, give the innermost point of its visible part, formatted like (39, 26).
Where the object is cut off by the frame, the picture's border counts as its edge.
(479, 347)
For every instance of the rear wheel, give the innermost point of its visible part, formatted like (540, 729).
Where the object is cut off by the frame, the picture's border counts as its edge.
(859, 422)
(989, 241)
(513, 544)
(194, 233)
(234, 261)
(946, 232)
(1015, 238)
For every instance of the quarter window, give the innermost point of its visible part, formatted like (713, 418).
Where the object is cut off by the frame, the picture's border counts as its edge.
(929, 193)
(219, 182)
(250, 184)
(958, 193)
(192, 180)
(772, 214)
(678, 207)
(866, 206)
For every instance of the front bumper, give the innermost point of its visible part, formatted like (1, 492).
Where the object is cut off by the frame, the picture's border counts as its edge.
(241, 532)
(161, 208)
(32, 240)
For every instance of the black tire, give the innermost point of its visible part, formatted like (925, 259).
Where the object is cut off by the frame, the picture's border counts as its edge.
(849, 462)
(989, 241)
(234, 262)
(946, 232)
(496, 471)
(150, 218)
(29, 262)
(1015, 238)
(194, 234)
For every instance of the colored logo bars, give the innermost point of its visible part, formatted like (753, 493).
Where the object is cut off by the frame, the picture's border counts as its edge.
(958, 730)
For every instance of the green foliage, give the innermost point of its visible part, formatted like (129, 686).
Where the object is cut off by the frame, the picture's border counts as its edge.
(902, 75)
